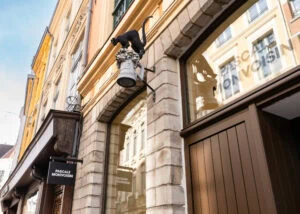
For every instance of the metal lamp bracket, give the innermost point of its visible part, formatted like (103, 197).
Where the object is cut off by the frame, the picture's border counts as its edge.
(142, 78)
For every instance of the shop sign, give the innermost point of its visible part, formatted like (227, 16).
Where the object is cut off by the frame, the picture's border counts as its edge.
(61, 173)
(124, 180)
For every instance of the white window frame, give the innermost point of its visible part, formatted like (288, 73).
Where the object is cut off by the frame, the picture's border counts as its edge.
(296, 11)
(226, 34)
(220, 78)
(260, 12)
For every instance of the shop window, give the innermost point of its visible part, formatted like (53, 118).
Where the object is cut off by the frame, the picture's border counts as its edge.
(267, 56)
(257, 10)
(217, 76)
(121, 6)
(30, 204)
(126, 176)
(295, 5)
(224, 37)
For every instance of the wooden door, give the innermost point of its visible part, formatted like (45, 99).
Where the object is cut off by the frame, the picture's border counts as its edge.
(227, 170)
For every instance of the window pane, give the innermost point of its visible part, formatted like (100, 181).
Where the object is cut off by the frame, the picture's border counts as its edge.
(30, 204)
(126, 180)
(295, 4)
(257, 9)
(255, 54)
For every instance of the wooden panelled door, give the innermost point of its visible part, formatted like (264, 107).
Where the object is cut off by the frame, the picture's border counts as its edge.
(227, 170)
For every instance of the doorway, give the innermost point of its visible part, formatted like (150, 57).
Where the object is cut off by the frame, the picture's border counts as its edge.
(226, 170)
(126, 190)
(280, 122)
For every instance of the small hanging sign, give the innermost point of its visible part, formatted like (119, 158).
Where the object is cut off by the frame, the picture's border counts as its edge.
(61, 173)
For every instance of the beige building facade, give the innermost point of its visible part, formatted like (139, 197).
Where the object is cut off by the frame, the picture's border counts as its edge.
(183, 34)
(216, 131)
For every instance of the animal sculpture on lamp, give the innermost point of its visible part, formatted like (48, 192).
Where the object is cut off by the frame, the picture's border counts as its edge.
(133, 37)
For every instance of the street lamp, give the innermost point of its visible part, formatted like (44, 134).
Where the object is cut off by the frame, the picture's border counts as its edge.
(128, 62)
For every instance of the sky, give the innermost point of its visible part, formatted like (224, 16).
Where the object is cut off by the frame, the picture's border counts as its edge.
(22, 24)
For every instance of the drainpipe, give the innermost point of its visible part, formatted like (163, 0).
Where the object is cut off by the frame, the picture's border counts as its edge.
(87, 34)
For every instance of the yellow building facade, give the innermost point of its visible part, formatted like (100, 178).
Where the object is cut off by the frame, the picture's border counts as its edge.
(34, 91)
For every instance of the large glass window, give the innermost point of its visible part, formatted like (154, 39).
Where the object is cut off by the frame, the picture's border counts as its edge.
(30, 204)
(255, 54)
(127, 173)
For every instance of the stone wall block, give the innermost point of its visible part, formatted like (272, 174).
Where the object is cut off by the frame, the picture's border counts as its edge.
(166, 210)
(197, 16)
(91, 210)
(151, 179)
(210, 7)
(94, 156)
(164, 64)
(166, 39)
(178, 38)
(164, 77)
(151, 58)
(168, 157)
(167, 91)
(174, 51)
(144, 60)
(150, 162)
(169, 194)
(168, 175)
(150, 198)
(169, 139)
(92, 167)
(88, 190)
(166, 122)
(186, 26)
(159, 50)
(165, 106)
(223, 1)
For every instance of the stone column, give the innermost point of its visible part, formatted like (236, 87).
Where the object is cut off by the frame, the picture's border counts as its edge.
(89, 179)
(164, 166)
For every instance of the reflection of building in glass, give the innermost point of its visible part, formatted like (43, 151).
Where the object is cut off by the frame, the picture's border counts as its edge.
(30, 204)
(250, 51)
(129, 174)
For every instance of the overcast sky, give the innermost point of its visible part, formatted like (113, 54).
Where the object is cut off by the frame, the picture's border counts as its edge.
(22, 24)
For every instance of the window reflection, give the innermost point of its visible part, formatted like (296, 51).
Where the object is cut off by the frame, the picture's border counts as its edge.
(244, 56)
(30, 204)
(127, 180)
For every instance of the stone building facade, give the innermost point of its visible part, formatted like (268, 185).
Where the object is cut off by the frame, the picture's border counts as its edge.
(178, 27)
(206, 139)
